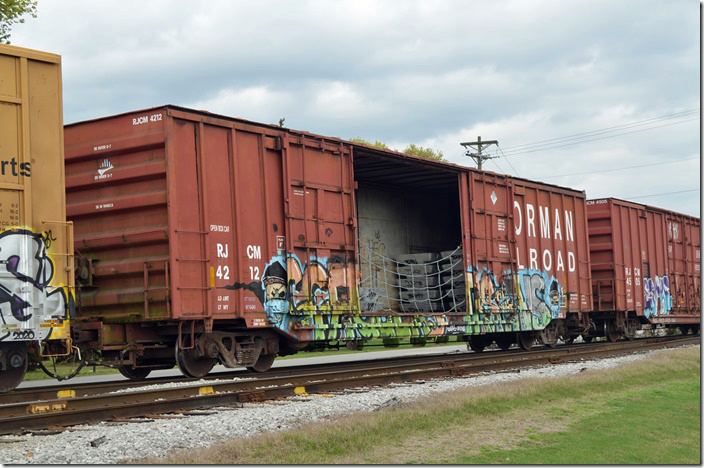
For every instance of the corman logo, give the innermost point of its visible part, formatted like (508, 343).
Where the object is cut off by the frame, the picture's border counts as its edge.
(103, 169)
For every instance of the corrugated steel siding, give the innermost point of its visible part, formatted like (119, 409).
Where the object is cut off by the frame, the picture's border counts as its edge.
(187, 216)
(526, 247)
(117, 198)
(644, 259)
(32, 197)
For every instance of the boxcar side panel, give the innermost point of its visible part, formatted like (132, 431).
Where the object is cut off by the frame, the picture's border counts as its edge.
(35, 238)
(117, 198)
(321, 236)
(644, 260)
(529, 262)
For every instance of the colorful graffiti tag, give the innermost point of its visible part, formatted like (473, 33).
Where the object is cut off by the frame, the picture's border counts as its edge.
(656, 292)
(26, 273)
(529, 297)
(291, 289)
(317, 300)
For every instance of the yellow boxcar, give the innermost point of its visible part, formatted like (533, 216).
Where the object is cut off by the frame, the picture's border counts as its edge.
(36, 242)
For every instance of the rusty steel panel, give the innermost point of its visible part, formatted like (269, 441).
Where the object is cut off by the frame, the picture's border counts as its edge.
(36, 278)
(187, 215)
(117, 197)
(645, 260)
(320, 223)
(526, 249)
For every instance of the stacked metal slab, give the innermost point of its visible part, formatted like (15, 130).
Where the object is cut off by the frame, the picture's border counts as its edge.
(432, 282)
(418, 282)
(452, 281)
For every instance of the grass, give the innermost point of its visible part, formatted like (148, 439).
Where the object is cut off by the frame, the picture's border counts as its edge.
(644, 412)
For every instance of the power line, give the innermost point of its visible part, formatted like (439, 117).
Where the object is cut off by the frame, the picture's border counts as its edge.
(501, 169)
(604, 130)
(618, 168)
(516, 153)
(659, 194)
(506, 158)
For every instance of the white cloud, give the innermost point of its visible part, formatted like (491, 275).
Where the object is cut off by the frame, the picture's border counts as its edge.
(258, 103)
(431, 73)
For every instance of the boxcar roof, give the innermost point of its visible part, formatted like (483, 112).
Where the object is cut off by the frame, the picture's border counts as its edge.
(647, 207)
(370, 149)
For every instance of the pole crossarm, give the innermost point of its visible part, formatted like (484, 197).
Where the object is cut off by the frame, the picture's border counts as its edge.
(479, 145)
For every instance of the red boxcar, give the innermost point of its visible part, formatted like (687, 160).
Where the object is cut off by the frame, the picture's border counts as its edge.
(530, 240)
(203, 238)
(181, 215)
(645, 262)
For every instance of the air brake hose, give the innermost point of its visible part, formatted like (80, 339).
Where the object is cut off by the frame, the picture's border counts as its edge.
(62, 377)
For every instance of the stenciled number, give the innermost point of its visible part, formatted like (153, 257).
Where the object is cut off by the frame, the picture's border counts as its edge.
(23, 335)
(223, 272)
(254, 273)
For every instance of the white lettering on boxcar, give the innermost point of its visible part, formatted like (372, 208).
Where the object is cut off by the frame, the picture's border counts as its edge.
(254, 251)
(142, 119)
(222, 250)
(219, 228)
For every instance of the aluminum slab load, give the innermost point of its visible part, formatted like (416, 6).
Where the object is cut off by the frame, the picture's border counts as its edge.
(645, 260)
(36, 274)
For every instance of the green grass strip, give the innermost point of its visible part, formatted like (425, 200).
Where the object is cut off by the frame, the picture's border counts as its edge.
(644, 412)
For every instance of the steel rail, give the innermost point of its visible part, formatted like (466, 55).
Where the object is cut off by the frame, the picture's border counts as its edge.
(20, 417)
(68, 390)
(95, 388)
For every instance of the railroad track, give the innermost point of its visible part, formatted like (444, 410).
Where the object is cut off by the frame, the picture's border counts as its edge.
(94, 402)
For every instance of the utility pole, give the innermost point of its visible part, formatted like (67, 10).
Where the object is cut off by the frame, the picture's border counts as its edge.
(478, 157)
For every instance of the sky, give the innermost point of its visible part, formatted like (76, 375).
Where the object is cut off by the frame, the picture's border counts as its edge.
(622, 75)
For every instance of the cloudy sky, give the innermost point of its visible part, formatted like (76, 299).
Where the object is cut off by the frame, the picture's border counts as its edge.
(619, 78)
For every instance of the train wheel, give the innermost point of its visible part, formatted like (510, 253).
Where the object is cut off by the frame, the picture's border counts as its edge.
(191, 364)
(587, 338)
(548, 335)
(612, 333)
(263, 363)
(134, 373)
(505, 342)
(695, 329)
(525, 340)
(476, 343)
(15, 355)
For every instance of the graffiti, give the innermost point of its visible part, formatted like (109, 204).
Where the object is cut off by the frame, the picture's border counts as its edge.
(370, 299)
(541, 294)
(328, 327)
(48, 238)
(494, 296)
(317, 300)
(658, 300)
(26, 273)
(23, 335)
(526, 300)
(290, 287)
(271, 291)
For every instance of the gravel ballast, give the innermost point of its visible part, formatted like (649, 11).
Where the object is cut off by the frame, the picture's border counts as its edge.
(117, 442)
